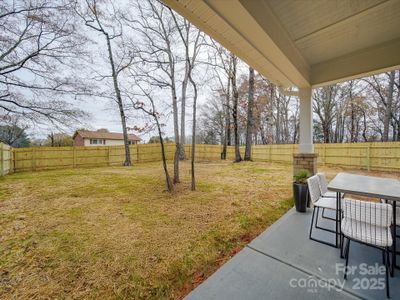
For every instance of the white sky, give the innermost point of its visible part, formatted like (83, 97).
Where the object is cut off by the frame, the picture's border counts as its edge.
(104, 112)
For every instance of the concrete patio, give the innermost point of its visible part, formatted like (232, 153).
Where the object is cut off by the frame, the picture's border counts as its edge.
(282, 263)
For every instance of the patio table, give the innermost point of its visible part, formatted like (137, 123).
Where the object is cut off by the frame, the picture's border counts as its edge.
(368, 186)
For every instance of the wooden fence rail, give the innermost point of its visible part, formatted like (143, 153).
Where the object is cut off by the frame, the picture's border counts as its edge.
(369, 156)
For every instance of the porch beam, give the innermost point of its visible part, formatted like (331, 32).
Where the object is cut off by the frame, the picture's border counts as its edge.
(251, 31)
(375, 60)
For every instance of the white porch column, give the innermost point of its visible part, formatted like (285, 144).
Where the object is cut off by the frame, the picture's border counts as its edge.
(305, 159)
(306, 121)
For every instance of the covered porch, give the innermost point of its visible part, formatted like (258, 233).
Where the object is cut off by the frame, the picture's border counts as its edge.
(282, 263)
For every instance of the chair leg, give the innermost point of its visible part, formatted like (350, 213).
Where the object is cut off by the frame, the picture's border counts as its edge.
(311, 230)
(312, 222)
(347, 257)
(326, 217)
(384, 257)
(387, 272)
(341, 245)
(322, 228)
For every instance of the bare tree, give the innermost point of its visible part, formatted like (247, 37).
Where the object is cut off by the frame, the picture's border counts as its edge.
(39, 51)
(235, 97)
(388, 110)
(99, 20)
(155, 115)
(212, 122)
(158, 57)
(14, 133)
(359, 110)
(250, 121)
(324, 105)
(189, 66)
(191, 40)
(220, 61)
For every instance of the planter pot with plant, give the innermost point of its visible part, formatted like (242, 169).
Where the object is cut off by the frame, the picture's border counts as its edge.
(300, 190)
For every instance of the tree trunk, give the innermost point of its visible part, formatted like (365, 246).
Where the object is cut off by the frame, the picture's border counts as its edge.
(364, 133)
(278, 120)
(227, 134)
(250, 121)
(388, 110)
(120, 104)
(238, 157)
(398, 131)
(193, 186)
(51, 139)
(182, 154)
(170, 186)
(176, 135)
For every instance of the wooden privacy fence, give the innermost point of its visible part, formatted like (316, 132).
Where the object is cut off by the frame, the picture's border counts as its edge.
(42, 158)
(369, 156)
(6, 159)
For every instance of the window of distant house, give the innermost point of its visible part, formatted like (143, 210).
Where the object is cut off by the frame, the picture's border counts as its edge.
(97, 142)
(131, 142)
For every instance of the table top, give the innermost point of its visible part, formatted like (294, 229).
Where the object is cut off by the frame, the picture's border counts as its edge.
(375, 187)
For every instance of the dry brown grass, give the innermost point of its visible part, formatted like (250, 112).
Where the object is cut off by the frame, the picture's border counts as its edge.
(116, 233)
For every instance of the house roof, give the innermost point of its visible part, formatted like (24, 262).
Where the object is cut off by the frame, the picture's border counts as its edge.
(86, 134)
(303, 43)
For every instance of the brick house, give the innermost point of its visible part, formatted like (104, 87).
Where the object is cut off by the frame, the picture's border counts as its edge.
(102, 137)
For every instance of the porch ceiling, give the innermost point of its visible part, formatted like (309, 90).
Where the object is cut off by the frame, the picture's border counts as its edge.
(303, 43)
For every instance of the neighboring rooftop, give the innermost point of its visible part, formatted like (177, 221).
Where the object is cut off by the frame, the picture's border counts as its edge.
(105, 134)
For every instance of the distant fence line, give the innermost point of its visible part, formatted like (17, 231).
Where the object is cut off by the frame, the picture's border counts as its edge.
(369, 156)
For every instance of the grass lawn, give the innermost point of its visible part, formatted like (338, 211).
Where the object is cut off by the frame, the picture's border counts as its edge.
(116, 233)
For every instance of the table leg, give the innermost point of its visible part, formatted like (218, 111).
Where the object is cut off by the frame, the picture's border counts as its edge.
(339, 230)
(394, 239)
(337, 218)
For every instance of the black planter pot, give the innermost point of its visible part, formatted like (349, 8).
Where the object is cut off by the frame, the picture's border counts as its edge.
(300, 195)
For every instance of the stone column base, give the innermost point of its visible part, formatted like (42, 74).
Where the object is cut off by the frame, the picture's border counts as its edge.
(305, 161)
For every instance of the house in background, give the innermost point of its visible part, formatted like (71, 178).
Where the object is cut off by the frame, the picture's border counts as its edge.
(102, 137)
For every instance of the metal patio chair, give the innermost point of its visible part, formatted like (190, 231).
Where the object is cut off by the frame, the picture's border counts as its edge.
(323, 186)
(368, 223)
(320, 202)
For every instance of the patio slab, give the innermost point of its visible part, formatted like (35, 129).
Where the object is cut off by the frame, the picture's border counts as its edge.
(282, 263)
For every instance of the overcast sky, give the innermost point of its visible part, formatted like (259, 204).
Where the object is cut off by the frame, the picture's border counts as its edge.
(104, 112)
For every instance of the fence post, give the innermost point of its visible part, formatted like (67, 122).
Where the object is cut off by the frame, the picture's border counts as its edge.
(13, 159)
(34, 159)
(368, 158)
(73, 157)
(137, 153)
(108, 155)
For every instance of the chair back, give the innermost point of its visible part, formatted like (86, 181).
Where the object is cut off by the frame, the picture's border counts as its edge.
(379, 214)
(323, 184)
(313, 188)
